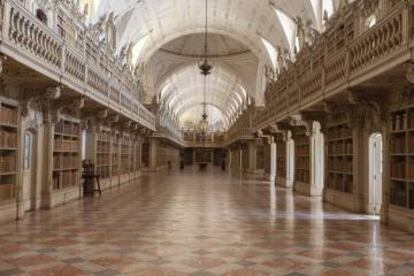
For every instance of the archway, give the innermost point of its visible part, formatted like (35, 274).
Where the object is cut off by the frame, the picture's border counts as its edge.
(375, 173)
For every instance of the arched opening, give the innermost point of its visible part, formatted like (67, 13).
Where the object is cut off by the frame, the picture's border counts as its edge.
(41, 15)
(29, 181)
(375, 173)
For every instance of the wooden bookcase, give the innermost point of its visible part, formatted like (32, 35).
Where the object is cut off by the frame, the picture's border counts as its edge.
(125, 154)
(402, 158)
(302, 155)
(280, 156)
(115, 161)
(340, 145)
(260, 159)
(136, 155)
(145, 154)
(103, 154)
(66, 154)
(8, 150)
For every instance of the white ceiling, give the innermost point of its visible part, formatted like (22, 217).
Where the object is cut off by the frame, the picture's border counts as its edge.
(167, 38)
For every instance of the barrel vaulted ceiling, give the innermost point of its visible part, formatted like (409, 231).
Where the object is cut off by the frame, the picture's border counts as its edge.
(244, 38)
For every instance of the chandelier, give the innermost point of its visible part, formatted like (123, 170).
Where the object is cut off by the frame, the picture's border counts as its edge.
(205, 69)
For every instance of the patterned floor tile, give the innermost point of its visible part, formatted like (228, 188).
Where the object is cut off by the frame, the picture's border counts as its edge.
(218, 224)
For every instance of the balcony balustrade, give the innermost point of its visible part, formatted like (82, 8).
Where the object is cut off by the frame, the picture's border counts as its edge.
(80, 65)
(343, 56)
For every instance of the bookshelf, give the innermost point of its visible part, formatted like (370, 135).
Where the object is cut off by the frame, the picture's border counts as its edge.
(136, 155)
(145, 154)
(302, 154)
(280, 156)
(340, 144)
(260, 161)
(103, 154)
(66, 154)
(8, 150)
(402, 158)
(125, 154)
(115, 155)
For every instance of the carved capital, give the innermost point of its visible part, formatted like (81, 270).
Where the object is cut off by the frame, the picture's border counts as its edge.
(103, 113)
(53, 93)
(2, 59)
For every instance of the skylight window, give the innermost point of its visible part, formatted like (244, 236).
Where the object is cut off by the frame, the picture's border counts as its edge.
(327, 5)
(289, 27)
(137, 50)
(271, 51)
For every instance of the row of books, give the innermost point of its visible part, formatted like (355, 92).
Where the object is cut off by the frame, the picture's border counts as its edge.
(104, 136)
(340, 183)
(398, 169)
(125, 149)
(7, 163)
(302, 149)
(302, 163)
(65, 162)
(68, 128)
(103, 147)
(65, 179)
(398, 144)
(8, 115)
(302, 176)
(340, 148)
(340, 165)
(103, 172)
(66, 145)
(8, 139)
(403, 121)
(339, 132)
(103, 159)
(398, 194)
(300, 140)
(6, 191)
(410, 170)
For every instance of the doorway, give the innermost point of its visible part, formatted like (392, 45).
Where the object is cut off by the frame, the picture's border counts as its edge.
(375, 173)
(29, 179)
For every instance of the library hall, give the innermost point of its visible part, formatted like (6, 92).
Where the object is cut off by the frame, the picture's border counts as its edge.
(207, 137)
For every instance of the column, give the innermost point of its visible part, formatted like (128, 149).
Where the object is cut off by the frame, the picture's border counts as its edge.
(240, 165)
(252, 154)
(47, 189)
(271, 148)
(153, 154)
(317, 158)
(290, 160)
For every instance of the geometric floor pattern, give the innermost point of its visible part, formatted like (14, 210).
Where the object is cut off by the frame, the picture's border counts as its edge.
(202, 223)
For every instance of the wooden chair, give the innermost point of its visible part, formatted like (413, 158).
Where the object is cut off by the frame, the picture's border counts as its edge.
(89, 175)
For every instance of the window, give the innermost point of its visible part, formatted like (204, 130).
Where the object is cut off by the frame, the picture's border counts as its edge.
(40, 14)
(27, 151)
(371, 21)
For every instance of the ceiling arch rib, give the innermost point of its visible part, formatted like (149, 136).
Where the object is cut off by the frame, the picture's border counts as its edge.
(157, 28)
(164, 20)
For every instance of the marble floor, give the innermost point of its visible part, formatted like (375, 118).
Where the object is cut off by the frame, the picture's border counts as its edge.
(202, 223)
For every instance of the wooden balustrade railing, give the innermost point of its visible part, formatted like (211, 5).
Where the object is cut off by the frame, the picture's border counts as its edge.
(83, 65)
(339, 55)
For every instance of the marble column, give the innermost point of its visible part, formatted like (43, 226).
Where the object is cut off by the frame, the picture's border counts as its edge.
(290, 160)
(317, 158)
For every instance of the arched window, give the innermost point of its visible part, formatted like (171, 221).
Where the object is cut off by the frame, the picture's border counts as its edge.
(27, 151)
(371, 21)
(41, 15)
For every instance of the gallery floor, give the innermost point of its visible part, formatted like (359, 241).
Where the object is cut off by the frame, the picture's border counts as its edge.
(202, 223)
